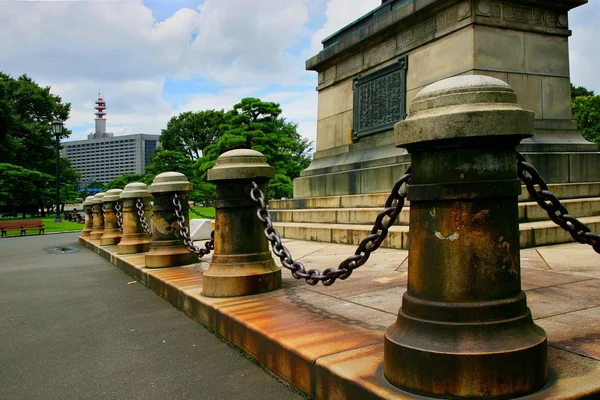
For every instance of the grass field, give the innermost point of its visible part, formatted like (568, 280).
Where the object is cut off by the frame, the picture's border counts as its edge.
(66, 226)
(51, 226)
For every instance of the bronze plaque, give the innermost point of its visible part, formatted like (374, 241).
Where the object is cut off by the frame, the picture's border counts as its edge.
(380, 99)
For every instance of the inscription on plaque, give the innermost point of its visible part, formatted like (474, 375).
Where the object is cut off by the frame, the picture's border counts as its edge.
(379, 99)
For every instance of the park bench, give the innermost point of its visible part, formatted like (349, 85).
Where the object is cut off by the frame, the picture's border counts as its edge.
(22, 226)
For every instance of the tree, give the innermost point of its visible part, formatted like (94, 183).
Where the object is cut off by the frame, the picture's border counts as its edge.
(255, 124)
(586, 111)
(191, 132)
(170, 161)
(123, 180)
(580, 91)
(26, 114)
(22, 188)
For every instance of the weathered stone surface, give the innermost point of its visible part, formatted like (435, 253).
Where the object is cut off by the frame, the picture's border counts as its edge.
(484, 107)
(170, 182)
(241, 164)
(555, 93)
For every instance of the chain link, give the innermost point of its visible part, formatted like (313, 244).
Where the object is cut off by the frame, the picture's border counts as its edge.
(139, 205)
(185, 233)
(104, 212)
(119, 216)
(201, 215)
(557, 212)
(385, 219)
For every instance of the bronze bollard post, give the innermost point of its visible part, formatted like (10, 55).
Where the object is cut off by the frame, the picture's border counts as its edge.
(134, 239)
(88, 209)
(242, 263)
(464, 329)
(111, 235)
(98, 217)
(167, 248)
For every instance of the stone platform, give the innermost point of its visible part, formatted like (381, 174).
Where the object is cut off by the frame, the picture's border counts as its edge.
(348, 219)
(328, 341)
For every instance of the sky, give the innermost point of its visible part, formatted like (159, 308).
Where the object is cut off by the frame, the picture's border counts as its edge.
(154, 59)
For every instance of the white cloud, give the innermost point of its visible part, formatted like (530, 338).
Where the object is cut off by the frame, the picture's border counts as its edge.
(584, 46)
(340, 13)
(80, 47)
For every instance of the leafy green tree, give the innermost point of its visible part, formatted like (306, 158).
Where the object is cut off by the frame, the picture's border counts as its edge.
(191, 132)
(123, 180)
(170, 161)
(22, 188)
(580, 91)
(27, 111)
(586, 111)
(255, 124)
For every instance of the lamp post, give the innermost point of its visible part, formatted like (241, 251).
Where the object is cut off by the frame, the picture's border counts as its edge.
(57, 127)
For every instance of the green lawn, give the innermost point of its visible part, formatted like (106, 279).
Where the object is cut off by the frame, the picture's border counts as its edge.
(51, 226)
(208, 211)
(66, 226)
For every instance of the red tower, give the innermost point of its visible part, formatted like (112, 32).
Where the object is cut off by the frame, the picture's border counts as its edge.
(100, 113)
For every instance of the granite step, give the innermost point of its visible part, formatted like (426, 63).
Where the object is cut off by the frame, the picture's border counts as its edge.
(532, 234)
(528, 212)
(376, 200)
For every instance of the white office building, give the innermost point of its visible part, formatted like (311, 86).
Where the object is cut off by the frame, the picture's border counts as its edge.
(104, 156)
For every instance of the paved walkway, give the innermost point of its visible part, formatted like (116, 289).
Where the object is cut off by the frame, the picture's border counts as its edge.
(71, 327)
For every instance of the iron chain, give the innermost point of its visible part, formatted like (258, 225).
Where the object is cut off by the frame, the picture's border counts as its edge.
(557, 212)
(104, 212)
(139, 205)
(119, 216)
(385, 219)
(185, 233)
(201, 215)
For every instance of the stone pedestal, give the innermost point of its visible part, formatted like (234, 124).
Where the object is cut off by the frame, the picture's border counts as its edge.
(242, 263)
(134, 238)
(167, 248)
(112, 234)
(464, 329)
(522, 42)
(98, 217)
(88, 210)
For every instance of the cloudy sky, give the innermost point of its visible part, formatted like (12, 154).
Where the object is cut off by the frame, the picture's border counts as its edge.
(153, 59)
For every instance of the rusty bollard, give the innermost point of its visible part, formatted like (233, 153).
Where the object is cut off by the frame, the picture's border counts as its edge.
(111, 235)
(98, 217)
(88, 209)
(134, 239)
(464, 329)
(167, 248)
(242, 263)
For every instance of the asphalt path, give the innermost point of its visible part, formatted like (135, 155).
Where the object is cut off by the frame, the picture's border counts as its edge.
(71, 327)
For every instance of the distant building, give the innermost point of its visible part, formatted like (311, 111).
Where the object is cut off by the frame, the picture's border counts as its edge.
(104, 156)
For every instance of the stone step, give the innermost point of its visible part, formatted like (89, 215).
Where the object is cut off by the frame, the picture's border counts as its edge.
(528, 212)
(376, 200)
(532, 234)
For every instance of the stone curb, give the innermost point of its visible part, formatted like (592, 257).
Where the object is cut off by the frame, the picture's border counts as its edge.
(321, 356)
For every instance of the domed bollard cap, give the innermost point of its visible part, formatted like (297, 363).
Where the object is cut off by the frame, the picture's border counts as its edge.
(112, 195)
(98, 217)
(241, 164)
(112, 233)
(167, 248)
(170, 182)
(88, 201)
(134, 238)
(135, 190)
(464, 107)
(97, 199)
(242, 263)
(464, 318)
